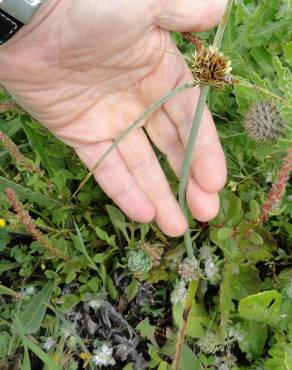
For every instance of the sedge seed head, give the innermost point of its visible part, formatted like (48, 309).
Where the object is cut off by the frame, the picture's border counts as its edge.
(263, 122)
(211, 67)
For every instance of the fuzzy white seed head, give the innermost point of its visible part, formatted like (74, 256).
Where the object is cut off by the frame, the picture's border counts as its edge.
(179, 293)
(104, 356)
(49, 344)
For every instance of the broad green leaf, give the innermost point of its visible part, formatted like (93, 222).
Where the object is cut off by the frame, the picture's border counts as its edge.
(188, 360)
(224, 233)
(128, 366)
(163, 366)
(27, 194)
(245, 281)
(147, 330)
(103, 235)
(281, 354)
(263, 58)
(198, 319)
(67, 302)
(32, 316)
(261, 307)
(118, 219)
(252, 339)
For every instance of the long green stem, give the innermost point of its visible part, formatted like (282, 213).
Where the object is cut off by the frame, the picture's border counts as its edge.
(187, 163)
(134, 125)
(222, 25)
(183, 185)
(184, 323)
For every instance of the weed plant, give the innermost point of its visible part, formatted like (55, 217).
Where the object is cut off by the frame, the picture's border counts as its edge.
(81, 285)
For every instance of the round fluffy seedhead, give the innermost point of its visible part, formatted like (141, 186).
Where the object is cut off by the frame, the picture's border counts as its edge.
(211, 67)
(263, 122)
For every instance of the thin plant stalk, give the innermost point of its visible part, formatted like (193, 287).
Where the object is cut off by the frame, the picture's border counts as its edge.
(133, 126)
(264, 91)
(187, 163)
(184, 322)
(221, 28)
(182, 191)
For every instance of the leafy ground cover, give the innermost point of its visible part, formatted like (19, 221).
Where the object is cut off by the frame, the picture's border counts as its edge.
(81, 285)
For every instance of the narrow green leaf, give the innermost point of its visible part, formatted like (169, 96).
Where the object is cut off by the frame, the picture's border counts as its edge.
(132, 290)
(81, 247)
(27, 194)
(7, 266)
(7, 291)
(38, 143)
(26, 360)
(34, 348)
(32, 316)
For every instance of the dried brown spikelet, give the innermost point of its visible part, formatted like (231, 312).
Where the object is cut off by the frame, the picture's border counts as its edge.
(211, 67)
(263, 122)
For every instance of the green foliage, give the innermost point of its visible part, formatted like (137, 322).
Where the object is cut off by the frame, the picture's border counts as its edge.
(32, 316)
(123, 273)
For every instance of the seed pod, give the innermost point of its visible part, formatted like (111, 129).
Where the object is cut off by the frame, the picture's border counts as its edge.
(263, 122)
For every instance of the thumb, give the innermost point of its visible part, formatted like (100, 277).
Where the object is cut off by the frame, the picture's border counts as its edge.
(190, 15)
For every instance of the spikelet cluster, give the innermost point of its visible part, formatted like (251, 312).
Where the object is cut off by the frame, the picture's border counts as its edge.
(30, 226)
(20, 159)
(278, 189)
(211, 67)
(263, 122)
(9, 106)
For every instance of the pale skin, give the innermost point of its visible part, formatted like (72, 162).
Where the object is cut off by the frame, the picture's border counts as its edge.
(86, 69)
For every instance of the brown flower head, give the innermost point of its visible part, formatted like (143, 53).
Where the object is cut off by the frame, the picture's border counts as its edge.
(263, 122)
(211, 67)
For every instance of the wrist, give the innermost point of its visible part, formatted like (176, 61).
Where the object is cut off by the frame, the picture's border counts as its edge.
(27, 40)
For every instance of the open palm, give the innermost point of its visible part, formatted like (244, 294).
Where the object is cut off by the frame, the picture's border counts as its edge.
(87, 69)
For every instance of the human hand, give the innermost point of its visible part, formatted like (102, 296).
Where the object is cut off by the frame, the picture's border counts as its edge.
(87, 69)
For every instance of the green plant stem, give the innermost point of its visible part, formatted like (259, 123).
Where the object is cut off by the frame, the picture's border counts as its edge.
(222, 25)
(134, 125)
(183, 185)
(187, 163)
(184, 322)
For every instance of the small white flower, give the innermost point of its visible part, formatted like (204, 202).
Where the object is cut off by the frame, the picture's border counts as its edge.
(235, 333)
(49, 344)
(95, 303)
(104, 356)
(189, 269)
(29, 290)
(205, 252)
(179, 292)
(225, 362)
(269, 177)
(211, 269)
